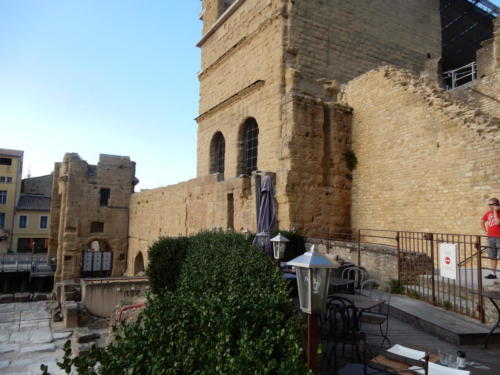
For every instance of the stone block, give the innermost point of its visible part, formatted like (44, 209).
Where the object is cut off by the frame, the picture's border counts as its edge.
(62, 335)
(38, 348)
(6, 298)
(7, 348)
(70, 314)
(22, 297)
(40, 296)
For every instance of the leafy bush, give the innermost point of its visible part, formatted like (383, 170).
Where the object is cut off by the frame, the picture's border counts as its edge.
(395, 287)
(166, 258)
(227, 312)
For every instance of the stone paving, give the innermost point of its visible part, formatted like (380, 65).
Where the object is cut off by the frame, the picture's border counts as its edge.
(28, 339)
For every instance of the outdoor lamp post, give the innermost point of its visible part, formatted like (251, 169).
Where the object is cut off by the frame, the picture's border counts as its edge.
(246, 233)
(262, 239)
(313, 275)
(279, 245)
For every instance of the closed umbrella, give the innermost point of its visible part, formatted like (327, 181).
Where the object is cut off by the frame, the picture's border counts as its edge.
(267, 210)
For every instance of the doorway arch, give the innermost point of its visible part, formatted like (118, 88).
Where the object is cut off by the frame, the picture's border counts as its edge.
(138, 264)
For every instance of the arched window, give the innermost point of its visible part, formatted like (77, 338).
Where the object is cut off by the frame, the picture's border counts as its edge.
(250, 146)
(138, 264)
(218, 152)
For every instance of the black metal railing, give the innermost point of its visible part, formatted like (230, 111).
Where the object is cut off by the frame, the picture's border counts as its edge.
(418, 262)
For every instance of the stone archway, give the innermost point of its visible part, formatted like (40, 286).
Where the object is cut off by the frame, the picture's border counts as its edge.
(138, 264)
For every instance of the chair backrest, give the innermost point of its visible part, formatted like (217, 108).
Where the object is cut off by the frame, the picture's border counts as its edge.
(355, 273)
(339, 319)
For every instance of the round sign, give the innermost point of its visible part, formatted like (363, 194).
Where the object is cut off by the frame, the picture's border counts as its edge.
(447, 260)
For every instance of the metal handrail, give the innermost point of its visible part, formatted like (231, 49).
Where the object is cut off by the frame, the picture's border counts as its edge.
(461, 76)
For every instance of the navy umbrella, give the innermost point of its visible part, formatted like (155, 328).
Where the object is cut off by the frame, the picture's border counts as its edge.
(267, 210)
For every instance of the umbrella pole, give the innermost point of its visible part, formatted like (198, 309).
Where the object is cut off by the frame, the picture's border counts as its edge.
(257, 199)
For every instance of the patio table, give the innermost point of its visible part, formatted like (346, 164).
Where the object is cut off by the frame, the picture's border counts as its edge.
(492, 295)
(361, 304)
(337, 285)
(390, 360)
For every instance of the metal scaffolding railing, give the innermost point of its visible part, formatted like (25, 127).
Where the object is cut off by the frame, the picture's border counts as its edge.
(461, 76)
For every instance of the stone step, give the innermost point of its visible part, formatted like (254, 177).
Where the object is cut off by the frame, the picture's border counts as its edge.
(447, 325)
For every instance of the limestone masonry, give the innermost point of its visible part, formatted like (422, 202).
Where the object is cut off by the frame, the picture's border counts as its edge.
(301, 90)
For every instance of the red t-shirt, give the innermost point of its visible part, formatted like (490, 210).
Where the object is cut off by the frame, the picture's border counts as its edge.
(493, 229)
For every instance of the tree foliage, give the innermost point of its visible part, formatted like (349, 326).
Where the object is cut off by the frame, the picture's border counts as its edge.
(223, 308)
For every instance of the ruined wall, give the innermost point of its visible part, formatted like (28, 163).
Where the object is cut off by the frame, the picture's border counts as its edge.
(340, 40)
(319, 181)
(187, 208)
(425, 162)
(77, 204)
(484, 93)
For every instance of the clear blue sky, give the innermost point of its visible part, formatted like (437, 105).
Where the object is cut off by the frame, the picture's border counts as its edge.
(101, 76)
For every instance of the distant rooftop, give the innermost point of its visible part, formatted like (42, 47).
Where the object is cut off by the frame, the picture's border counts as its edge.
(7, 152)
(33, 203)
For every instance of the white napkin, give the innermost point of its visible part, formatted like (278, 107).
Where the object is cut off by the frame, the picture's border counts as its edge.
(403, 351)
(435, 369)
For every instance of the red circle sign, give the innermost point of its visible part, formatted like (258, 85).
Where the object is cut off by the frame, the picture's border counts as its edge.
(447, 260)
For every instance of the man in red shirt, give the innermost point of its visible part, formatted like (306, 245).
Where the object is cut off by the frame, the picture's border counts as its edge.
(490, 224)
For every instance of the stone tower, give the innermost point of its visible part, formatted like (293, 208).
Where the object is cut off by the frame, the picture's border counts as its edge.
(269, 78)
(89, 212)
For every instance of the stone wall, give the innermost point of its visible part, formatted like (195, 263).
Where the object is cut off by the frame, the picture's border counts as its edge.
(77, 204)
(425, 162)
(340, 40)
(380, 262)
(318, 182)
(187, 208)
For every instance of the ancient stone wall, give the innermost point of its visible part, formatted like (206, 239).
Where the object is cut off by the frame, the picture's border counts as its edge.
(78, 205)
(319, 181)
(240, 78)
(187, 208)
(340, 40)
(425, 162)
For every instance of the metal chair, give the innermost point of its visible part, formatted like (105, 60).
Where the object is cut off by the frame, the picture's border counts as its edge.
(380, 314)
(355, 273)
(339, 326)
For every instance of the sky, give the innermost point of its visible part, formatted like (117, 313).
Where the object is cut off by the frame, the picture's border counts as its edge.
(92, 76)
(102, 76)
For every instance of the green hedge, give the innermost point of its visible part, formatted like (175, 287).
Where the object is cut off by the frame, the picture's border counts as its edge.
(223, 308)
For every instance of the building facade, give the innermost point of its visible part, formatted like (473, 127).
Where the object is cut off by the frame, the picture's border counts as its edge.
(11, 166)
(89, 216)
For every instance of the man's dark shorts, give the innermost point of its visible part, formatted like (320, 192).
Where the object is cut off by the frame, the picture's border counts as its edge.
(494, 247)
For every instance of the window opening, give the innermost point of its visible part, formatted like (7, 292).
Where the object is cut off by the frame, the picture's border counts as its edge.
(24, 245)
(44, 221)
(5, 161)
(23, 222)
(104, 197)
(218, 153)
(3, 196)
(96, 227)
(2, 220)
(230, 211)
(250, 146)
